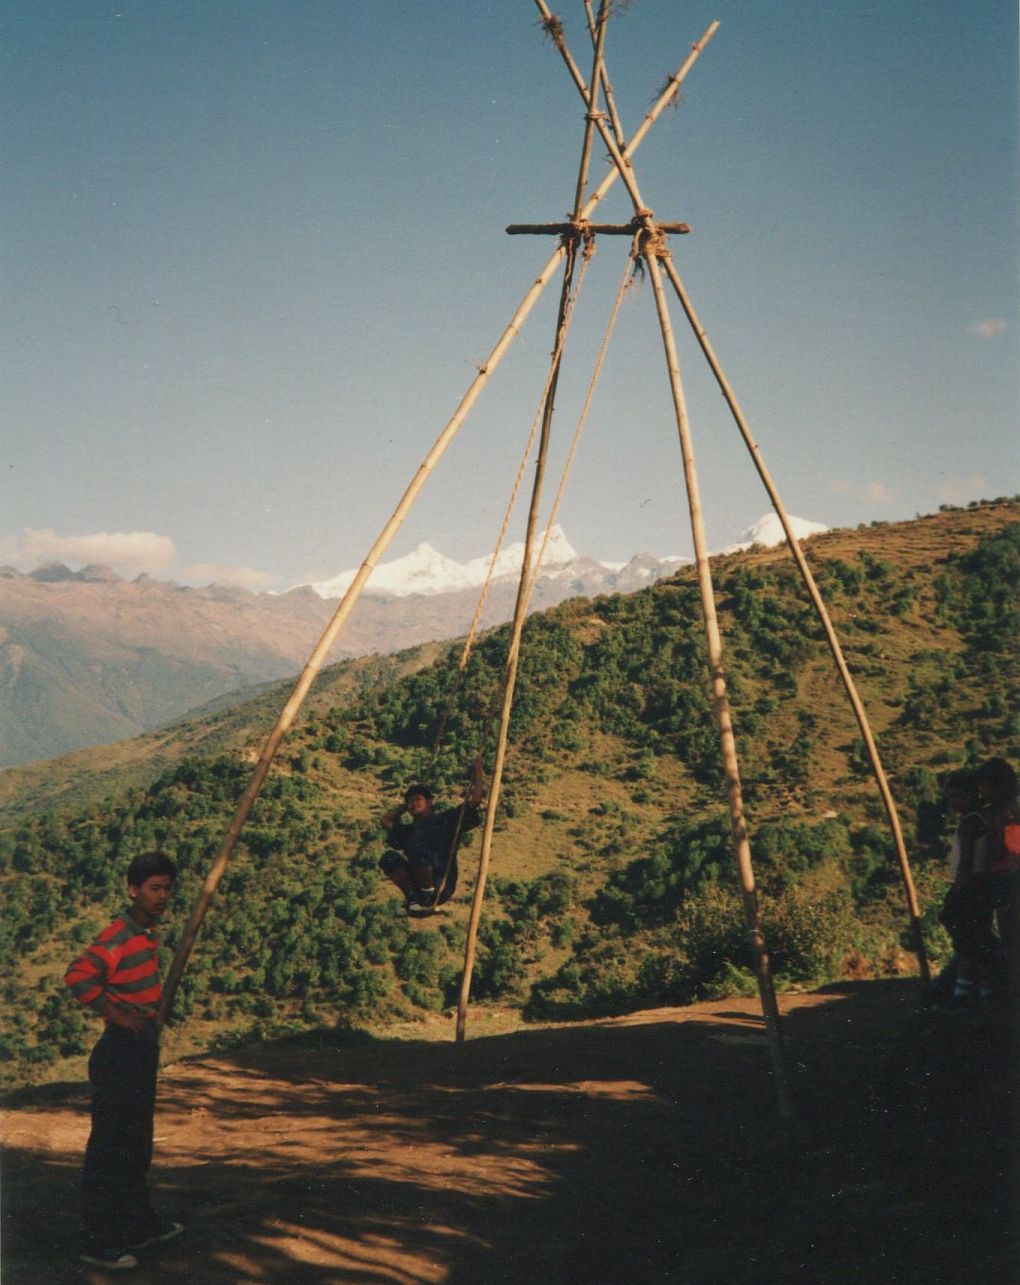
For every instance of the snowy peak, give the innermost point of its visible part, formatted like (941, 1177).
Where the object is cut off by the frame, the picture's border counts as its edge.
(428, 573)
(425, 570)
(768, 532)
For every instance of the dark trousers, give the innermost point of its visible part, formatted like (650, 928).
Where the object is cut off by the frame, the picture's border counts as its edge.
(115, 1208)
(423, 873)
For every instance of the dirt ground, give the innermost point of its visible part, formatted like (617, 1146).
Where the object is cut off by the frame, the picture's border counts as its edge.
(641, 1149)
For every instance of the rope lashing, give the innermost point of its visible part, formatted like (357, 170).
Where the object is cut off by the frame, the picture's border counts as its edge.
(625, 282)
(653, 242)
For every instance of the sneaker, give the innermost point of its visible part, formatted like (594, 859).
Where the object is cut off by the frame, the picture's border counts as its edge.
(161, 1231)
(417, 911)
(424, 898)
(403, 911)
(114, 1260)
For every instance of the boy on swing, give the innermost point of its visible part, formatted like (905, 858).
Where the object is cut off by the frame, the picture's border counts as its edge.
(428, 843)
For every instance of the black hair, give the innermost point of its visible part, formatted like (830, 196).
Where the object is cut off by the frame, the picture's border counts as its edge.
(148, 864)
(423, 790)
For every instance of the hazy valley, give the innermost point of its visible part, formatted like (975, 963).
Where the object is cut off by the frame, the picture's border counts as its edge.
(87, 657)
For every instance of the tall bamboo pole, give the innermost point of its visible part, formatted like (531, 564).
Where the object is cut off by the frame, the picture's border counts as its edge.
(738, 822)
(513, 654)
(520, 613)
(621, 157)
(349, 599)
(523, 586)
(913, 908)
(607, 88)
(598, 40)
(653, 244)
(329, 636)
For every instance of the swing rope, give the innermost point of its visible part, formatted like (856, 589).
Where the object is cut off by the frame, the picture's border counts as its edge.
(472, 633)
(586, 257)
(626, 281)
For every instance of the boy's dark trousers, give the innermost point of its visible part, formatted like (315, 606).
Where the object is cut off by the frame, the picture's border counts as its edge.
(115, 1208)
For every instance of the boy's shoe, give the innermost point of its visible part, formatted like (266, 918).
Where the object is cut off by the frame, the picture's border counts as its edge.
(159, 1233)
(403, 910)
(114, 1260)
(424, 899)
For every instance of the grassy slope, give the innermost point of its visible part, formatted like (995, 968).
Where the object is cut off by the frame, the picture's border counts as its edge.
(587, 809)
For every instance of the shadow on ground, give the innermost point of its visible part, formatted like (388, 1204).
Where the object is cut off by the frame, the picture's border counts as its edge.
(644, 1149)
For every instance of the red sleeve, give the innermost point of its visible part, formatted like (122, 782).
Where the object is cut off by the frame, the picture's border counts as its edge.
(88, 975)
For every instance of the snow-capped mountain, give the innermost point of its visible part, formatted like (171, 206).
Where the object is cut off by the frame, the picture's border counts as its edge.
(428, 572)
(768, 531)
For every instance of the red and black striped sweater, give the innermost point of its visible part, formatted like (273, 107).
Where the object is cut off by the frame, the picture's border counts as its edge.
(121, 967)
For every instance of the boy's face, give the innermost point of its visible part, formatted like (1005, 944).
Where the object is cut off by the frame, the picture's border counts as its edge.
(150, 898)
(418, 805)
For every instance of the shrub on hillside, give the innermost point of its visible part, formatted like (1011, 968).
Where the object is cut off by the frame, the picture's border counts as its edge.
(808, 935)
(980, 591)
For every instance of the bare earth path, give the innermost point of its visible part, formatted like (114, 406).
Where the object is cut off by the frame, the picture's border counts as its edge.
(637, 1150)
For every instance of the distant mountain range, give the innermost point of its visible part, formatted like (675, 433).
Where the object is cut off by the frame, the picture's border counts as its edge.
(87, 657)
(428, 572)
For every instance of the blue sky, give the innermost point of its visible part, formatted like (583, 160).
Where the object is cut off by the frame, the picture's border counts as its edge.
(254, 249)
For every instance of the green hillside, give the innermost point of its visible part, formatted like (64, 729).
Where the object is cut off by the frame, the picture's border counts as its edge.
(612, 878)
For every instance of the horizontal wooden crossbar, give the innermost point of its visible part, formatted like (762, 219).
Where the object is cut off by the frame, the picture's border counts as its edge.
(606, 229)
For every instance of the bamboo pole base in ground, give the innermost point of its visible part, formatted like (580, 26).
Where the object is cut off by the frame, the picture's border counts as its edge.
(652, 242)
(720, 698)
(818, 602)
(521, 603)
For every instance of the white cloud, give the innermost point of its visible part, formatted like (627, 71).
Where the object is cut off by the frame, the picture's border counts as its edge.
(988, 327)
(879, 494)
(126, 551)
(203, 573)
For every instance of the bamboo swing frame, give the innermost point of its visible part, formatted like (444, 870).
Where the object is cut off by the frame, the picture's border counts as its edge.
(650, 246)
(386, 536)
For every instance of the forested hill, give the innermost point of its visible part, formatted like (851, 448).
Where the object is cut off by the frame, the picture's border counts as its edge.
(612, 883)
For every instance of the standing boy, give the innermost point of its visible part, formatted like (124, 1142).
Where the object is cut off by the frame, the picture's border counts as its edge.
(968, 927)
(999, 883)
(118, 977)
